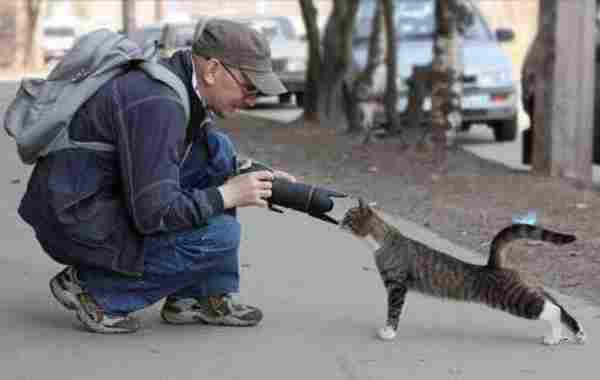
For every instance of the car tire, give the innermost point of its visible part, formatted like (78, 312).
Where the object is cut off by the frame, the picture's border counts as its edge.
(505, 130)
(285, 98)
(299, 99)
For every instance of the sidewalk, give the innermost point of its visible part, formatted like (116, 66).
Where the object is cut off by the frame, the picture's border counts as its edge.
(322, 300)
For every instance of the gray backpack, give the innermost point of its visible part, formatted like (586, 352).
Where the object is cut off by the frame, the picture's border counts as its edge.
(39, 116)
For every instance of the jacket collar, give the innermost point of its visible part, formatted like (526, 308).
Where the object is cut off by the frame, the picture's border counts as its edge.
(180, 63)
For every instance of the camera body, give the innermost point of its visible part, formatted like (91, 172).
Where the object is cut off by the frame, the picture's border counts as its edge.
(298, 196)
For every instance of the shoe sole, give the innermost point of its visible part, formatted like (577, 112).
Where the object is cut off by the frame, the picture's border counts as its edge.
(178, 319)
(99, 329)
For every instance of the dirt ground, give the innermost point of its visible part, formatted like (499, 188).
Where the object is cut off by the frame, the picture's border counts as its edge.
(467, 203)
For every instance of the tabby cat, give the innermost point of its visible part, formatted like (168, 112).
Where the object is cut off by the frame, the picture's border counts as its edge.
(406, 264)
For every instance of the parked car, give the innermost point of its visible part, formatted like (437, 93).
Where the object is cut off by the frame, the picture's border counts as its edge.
(490, 90)
(289, 53)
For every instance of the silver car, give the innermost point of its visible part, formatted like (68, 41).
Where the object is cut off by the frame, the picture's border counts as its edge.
(289, 53)
(490, 90)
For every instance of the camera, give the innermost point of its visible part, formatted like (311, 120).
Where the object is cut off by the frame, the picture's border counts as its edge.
(312, 200)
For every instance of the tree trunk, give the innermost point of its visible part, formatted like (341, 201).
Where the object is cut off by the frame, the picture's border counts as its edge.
(564, 92)
(446, 84)
(33, 58)
(337, 56)
(391, 90)
(363, 88)
(311, 91)
(128, 16)
(160, 10)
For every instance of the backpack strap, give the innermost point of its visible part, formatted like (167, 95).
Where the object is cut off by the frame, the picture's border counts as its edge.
(161, 73)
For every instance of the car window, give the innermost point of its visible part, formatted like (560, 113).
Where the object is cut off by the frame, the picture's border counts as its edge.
(414, 19)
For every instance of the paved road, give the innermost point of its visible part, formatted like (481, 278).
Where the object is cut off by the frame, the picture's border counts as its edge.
(322, 303)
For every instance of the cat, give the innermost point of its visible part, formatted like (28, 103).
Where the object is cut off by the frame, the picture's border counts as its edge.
(406, 264)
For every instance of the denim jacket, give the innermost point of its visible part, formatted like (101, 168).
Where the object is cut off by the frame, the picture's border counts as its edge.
(95, 208)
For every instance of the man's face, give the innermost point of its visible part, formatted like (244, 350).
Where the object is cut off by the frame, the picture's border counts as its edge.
(226, 89)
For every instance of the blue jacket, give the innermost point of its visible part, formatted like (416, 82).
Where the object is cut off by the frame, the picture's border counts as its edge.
(95, 208)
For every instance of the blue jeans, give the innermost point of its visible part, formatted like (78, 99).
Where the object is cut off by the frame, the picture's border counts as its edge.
(193, 263)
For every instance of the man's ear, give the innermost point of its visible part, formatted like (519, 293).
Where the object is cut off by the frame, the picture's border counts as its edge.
(209, 69)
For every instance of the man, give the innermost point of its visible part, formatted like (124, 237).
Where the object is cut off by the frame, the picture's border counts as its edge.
(156, 218)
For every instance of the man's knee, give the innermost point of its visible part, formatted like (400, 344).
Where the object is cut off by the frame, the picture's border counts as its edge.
(221, 234)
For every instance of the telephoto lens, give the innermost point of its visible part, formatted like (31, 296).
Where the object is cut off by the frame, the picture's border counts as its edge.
(309, 199)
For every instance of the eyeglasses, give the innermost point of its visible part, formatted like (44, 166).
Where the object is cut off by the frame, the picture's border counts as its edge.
(248, 89)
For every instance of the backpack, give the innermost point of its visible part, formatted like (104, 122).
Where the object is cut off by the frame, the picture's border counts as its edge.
(39, 116)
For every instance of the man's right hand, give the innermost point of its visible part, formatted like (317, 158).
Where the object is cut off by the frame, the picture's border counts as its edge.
(250, 189)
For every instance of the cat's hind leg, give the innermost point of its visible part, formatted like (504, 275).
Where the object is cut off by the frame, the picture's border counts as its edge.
(569, 321)
(552, 314)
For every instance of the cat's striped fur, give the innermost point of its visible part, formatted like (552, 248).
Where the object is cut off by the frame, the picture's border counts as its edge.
(406, 264)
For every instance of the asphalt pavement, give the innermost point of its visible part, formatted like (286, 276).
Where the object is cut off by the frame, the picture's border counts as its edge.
(322, 301)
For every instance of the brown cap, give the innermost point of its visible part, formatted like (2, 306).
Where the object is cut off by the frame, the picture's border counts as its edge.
(240, 47)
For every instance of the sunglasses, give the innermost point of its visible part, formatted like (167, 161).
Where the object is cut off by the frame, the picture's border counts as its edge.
(248, 89)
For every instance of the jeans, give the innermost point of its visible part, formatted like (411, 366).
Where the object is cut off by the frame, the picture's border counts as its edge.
(193, 263)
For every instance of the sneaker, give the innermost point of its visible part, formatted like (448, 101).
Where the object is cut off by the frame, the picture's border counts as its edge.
(219, 310)
(66, 289)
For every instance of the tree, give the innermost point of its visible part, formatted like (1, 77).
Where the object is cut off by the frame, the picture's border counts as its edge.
(32, 57)
(564, 93)
(128, 16)
(360, 85)
(332, 54)
(311, 91)
(391, 91)
(446, 72)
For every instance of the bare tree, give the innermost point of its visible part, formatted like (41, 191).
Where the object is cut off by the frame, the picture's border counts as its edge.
(336, 59)
(128, 16)
(32, 57)
(311, 91)
(446, 94)
(391, 91)
(361, 86)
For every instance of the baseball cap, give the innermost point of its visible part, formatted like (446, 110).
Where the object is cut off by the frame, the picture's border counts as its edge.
(240, 47)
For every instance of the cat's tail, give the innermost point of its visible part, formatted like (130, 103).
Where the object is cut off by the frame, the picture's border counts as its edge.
(522, 231)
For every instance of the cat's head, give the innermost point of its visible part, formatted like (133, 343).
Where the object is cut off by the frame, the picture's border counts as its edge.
(356, 220)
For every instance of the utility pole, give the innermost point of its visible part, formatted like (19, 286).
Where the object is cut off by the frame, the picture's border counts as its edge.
(564, 93)
(128, 16)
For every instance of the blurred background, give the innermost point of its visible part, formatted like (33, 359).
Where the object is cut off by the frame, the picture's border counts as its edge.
(59, 22)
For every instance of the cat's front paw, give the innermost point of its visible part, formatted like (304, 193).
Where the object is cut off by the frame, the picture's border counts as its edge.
(553, 340)
(386, 333)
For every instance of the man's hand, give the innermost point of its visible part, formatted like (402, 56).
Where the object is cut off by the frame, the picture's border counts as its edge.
(250, 189)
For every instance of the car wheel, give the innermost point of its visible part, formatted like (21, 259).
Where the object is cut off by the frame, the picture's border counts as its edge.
(300, 99)
(285, 98)
(505, 130)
